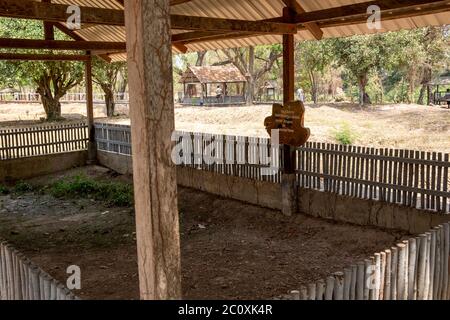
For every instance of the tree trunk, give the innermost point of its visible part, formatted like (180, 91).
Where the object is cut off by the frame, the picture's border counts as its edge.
(250, 79)
(50, 102)
(425, 89)
(363, 96)
(109, 101)
(200, 58)
(52, 108)
(314, 87)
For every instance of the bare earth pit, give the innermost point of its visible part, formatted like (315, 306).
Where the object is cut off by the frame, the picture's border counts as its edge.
(230, 250)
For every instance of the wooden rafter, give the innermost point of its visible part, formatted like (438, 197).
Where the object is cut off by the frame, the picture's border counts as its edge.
(50, 12)
(218, 24)
(53, 12)
(360, 17)
(43, 57)
(219, 29)
(60, 45)
(359, 11)
(177, 2)
(172, 2)
(298, 9)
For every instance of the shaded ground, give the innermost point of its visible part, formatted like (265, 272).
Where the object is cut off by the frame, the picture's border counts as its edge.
(392, 126)
(230, 250)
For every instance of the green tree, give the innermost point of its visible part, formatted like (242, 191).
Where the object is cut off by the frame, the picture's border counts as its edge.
(312, 59)
(52, 79)
(256, 63)
(361, 55)
(106, 75)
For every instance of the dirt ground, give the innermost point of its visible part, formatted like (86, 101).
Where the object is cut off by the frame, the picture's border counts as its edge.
(392, 126)
(230, 250)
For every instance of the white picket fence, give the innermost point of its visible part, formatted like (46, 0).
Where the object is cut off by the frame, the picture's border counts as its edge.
(21, 279)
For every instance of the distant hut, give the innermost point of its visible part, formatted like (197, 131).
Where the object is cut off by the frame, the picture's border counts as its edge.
(440, 85)
(269, 92)
(9, 94)
(213, 85)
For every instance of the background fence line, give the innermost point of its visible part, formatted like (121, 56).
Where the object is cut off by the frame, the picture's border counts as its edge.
(415, 269)
(412, 178)
(20, 279)
(75, 97)
(42, 140)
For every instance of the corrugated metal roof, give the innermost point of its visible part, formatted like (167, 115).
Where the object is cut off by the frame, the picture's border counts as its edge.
(251, 10)
(213, 74)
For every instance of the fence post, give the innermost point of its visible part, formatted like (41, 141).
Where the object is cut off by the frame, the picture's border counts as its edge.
(289, 189)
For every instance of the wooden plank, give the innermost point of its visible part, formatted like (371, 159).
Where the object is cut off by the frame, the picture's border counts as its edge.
(152, 124)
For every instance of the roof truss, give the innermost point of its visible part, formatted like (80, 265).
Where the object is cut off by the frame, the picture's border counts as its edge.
(202, 29)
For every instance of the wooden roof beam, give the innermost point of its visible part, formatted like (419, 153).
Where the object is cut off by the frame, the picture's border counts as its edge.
(355, 11)
(43, 57)
(231, 25)
(177, 2)
(435, 7)
(311, 27)
(172, 2)
(61, 45)
(51, 12)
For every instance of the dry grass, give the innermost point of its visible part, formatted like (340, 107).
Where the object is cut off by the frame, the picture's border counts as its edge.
(397, 126)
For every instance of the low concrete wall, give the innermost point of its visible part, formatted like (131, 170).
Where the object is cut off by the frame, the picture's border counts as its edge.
(264, 194)
(259, 193)
(25, 168)
(310, 202)
(368, 212)
(119, 163)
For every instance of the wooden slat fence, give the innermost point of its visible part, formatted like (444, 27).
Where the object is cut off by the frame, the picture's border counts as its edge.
(412, 178)
(247, 157)
(42, 140)
(415, 269)
(20, 279)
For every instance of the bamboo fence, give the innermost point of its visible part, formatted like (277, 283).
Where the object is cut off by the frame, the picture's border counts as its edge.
(415, 269)
(20, 279)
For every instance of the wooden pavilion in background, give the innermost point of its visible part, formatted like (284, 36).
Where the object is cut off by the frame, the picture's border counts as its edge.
(200, 86)
(149, 31)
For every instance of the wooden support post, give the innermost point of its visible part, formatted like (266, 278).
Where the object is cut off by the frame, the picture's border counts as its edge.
(49, 31)
(92, 150)
(289, 186)
(288, 61)
(288, 84)
(152, 124)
